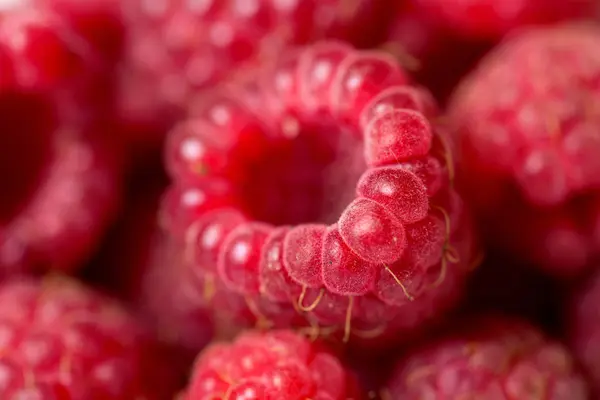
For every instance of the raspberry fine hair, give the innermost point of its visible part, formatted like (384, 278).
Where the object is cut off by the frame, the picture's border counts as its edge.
(371, 240)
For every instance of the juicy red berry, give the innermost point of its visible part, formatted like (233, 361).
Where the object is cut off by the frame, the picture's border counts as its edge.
(396, 136)
(527, 148)
(61, 340)
(343, 271)
(240, 257)
(494, 18)
(275, 282)
(302, 254)
(275, 365)
(372, 232)
(397, 189)
(308, 233)
(583, 326)
(489, 358)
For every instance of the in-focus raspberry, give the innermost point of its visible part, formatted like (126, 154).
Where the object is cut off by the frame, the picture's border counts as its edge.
(285, 198)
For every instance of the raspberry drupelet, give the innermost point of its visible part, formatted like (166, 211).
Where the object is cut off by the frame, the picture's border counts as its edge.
(491, 357)
(275, 365)
(527, 122)
(582, 324)
(58, 171)
(176, 47)
(61, 340)
(320, 195)
(491, 19)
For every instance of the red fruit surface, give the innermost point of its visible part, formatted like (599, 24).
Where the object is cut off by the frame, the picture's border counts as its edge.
(525, 121)
(98, 22)
(269, 366)
(61, 340)
(312, 213)
(177, 47)
(582, 324)
(58, 171)
(492, 357)
(494, 18)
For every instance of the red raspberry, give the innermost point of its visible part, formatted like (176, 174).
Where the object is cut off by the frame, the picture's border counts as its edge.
(177, 47)
(62, 341)
(526, 121)
(322, 195)
(270, 366)
(58, 171)
(489, 358)
(493, 18)
(583, 325)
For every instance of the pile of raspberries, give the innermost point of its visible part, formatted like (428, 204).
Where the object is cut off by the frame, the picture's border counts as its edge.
(300, 200)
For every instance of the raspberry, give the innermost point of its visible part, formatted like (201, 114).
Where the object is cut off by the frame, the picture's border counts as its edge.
(583, 328)
(177, 47)
(62, 340)
(493, 18)
(526, 145)
(489, 358)
(338, 214)
(274, 365)
(57, 167)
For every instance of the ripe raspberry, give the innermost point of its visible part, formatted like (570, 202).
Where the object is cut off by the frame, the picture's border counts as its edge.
(526, 122)
(252, 209)
(56, 167)
(489, 358)
(583, 328)
(176, 47)
(62, 341)
(494, 18)
(270, 366)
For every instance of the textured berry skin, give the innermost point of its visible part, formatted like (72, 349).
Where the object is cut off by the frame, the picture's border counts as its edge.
(490, 357)
(270, 366)
(583, 328)
(58, 168)
(382, 257)
(528, 145)
(176, 47)
(493, 18)
(63, 341)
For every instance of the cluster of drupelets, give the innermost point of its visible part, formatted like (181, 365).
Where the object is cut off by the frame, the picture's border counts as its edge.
(300, 200)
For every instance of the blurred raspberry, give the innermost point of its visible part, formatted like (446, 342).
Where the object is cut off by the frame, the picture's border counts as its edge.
(62, 341)
(253, 220)
(489, 358)
(527, 121)
(493, 18)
